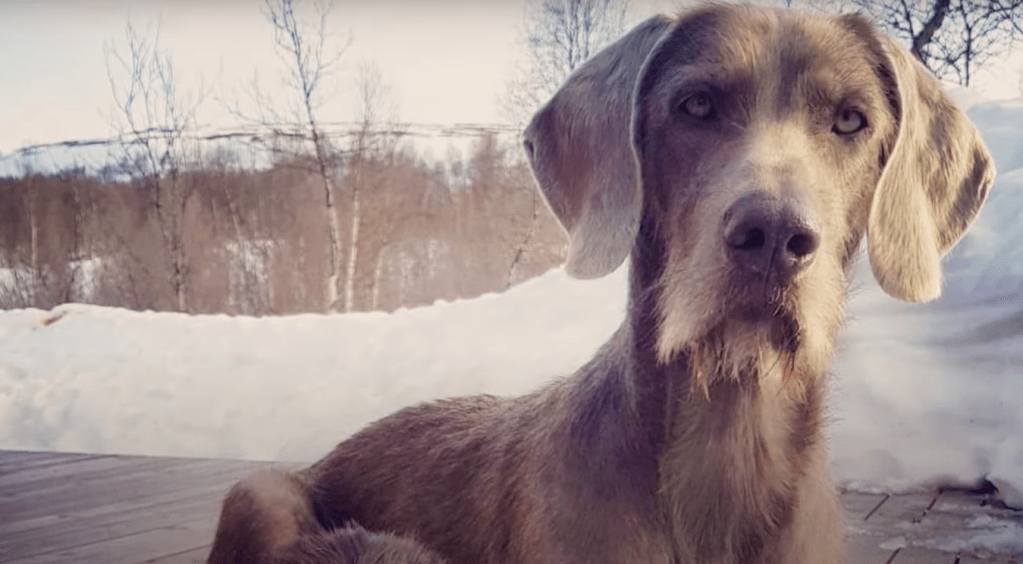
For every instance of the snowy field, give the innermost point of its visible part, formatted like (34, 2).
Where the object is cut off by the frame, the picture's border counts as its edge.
(923, 394)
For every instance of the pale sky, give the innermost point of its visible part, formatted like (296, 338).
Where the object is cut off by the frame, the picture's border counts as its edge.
(446, 60)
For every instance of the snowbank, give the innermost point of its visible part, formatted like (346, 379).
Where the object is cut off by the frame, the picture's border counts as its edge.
(93, 379)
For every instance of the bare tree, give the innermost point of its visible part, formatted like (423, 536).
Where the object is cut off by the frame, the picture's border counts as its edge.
(155, 124)
(300, 136)
(306, 47)
(952, 38)
(22, 275)
(375, 109)
(559, 36)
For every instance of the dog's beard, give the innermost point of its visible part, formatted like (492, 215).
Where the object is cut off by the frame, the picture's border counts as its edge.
(745, 347)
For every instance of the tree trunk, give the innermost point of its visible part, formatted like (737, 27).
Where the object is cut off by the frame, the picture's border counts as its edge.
(353, 253)
(34, 225)
(930, 27)
(378, 271)
(179, 277)
(175, 247)
(334, 252)
(170, 214)
(523, 247)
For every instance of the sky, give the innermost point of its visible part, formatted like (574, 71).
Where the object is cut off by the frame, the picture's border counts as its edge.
(445, 61)
(55, 85)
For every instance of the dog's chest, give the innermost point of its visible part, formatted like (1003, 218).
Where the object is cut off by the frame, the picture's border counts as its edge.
(727, 474)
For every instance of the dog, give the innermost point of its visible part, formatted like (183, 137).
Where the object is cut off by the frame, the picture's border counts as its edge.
(737, 156)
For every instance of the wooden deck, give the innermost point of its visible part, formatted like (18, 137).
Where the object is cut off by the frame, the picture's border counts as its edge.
(82, 508)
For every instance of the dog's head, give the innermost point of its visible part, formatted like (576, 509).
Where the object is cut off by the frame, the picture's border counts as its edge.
(758, 146)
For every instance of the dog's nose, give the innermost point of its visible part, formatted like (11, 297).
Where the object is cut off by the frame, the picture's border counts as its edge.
(764, 234)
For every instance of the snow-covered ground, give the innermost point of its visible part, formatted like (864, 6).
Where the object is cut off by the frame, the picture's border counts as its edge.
(923, 393)
(87, 378)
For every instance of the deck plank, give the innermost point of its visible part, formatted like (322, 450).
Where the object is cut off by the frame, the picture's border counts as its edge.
(135, 548)
(992, 559)
(29, 459)
(71, 532)
(134, 483)
(85, 508)
(194, 556)
(88, 508)
(862, 539)
(914, 555)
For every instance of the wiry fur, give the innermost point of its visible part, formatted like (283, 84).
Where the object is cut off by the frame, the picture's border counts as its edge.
(694, 436)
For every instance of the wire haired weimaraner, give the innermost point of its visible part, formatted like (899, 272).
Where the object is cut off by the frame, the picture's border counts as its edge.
(737, 156)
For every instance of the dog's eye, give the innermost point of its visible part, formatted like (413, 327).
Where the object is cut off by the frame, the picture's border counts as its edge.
(698, 105)
(849, 122)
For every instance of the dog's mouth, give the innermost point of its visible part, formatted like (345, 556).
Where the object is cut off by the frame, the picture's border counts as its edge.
(771, 308)
(760, 298)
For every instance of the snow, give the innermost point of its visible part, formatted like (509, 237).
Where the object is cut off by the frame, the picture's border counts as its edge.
(93, 379)
(894, 543)
(923, 394)
(983, 533)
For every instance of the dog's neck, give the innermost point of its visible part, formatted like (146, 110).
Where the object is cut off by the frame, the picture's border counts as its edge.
(738, 436)
(729, 436)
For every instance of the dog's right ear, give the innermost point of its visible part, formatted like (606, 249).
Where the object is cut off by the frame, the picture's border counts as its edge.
(932, 187)
(579, 147)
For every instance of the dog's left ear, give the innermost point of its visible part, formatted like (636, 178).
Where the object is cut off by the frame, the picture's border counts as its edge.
(578, 146)
(932, 186)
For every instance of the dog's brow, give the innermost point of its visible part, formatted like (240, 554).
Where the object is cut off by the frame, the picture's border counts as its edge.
(715, 79)
(847, 86)
(721, 75)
